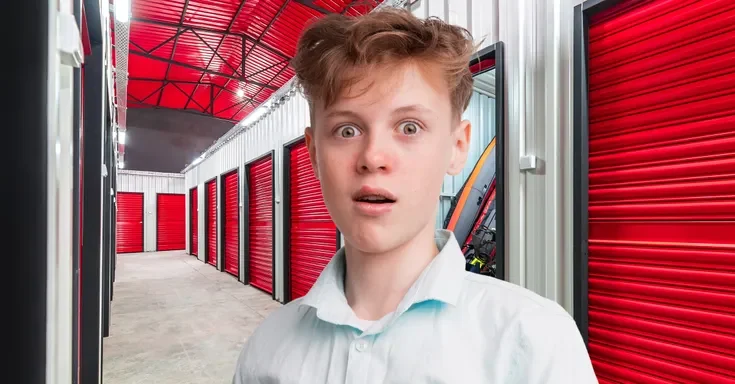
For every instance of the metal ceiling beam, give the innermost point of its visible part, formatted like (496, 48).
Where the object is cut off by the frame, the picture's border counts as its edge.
(210, 30)
(215, 52)
(267, 68)
(191, 111)
(173, 52)
(203, 70)
(265, 31)
(310, 4)
(252, 99)
(184, 92)
(137, 46)
(176, 36)
(222, 40)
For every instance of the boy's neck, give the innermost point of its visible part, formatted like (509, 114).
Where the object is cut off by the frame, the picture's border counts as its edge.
(376, 283)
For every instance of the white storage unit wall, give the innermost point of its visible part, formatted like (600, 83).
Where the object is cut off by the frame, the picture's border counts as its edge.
(538, 60)
(150, 183)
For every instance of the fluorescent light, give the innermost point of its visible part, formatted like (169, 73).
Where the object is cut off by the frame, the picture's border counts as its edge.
(122, 10)
(121, 137)
(240, 93)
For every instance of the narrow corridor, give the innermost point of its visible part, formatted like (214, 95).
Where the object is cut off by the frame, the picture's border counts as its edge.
(178, 320)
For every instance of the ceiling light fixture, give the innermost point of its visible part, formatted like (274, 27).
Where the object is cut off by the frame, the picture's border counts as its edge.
(122, 10)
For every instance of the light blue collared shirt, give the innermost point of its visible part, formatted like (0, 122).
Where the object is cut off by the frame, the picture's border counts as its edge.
(451, 327)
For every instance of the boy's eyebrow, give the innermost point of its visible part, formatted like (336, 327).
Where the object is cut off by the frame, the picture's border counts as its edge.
(404, 109)
(412, 108)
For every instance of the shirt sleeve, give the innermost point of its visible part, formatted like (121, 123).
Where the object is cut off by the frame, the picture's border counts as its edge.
(552, 351)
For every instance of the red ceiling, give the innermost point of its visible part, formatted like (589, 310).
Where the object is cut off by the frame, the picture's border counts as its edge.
(188, 54)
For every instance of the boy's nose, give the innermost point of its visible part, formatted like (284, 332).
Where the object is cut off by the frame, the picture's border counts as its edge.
(375, 156)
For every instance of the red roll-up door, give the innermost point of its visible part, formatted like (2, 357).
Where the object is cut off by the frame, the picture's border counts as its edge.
(170, 222)
(194, 220)
(211, 220)
(260, 224)
(129, 232)
(231, 241)
(662, 192)
(312, 234)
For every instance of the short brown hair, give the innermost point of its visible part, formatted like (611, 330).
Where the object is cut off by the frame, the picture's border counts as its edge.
(334, 51)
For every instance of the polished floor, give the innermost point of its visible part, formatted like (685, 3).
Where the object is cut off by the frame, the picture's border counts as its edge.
(176, 320)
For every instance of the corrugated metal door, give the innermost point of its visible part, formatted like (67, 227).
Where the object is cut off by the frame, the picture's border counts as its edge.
(129, 233)
(170, 222)
(312, 234)
(662, 192)
(260, 224)
(211, 219)
(194, 220)
(231, 227)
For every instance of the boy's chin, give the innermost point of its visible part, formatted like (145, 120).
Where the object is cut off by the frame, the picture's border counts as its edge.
(376, 238)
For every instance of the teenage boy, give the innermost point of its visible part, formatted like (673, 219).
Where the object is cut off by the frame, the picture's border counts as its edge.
(386, 92)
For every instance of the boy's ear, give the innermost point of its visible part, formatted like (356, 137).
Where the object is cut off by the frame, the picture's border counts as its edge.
(309, 138)
(461, 144)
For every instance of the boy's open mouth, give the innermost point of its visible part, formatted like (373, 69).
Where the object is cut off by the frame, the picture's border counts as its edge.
(375, 199)
(373, 196)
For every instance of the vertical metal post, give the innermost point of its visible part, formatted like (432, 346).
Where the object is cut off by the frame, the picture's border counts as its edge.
(25, 206)
(91, 266)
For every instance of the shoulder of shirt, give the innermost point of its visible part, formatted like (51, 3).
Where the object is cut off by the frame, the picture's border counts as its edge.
(505, 297)
(281, 320)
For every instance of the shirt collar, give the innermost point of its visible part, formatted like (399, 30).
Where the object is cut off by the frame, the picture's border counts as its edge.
(441, 280)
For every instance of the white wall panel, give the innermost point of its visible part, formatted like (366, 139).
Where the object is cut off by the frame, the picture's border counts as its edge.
(150, 183)
(537, 36)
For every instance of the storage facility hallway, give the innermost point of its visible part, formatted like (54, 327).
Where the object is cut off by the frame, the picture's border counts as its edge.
(178, 320)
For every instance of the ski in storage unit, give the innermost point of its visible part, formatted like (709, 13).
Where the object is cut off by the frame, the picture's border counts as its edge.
(310, 236)
(231, 223)
(260, 252)
(210, 210)
(129, 236)
(655, 189)
(170, 221)
(194, 221)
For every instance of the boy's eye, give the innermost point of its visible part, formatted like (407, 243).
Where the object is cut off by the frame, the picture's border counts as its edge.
(409, 128)
(348, 131)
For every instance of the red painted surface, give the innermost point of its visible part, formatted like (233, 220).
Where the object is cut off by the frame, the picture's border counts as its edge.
(201, 68)
(313, 235)
(231, 240)
(129, 232)
(662, 192)
(484, 65)
(211, 220)
(194, 220)
(170, 222)
(260, 224)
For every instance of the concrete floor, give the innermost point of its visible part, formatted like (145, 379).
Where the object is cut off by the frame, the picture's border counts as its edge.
(177, 320)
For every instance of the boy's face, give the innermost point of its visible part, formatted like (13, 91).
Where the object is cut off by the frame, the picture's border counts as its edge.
(381, 155)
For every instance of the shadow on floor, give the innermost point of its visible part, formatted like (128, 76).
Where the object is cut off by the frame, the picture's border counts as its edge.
(177, 320)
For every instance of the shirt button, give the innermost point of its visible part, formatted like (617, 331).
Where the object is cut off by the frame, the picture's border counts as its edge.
(361, 345)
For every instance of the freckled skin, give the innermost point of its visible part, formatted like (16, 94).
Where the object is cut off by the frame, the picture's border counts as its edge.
(401, 135)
